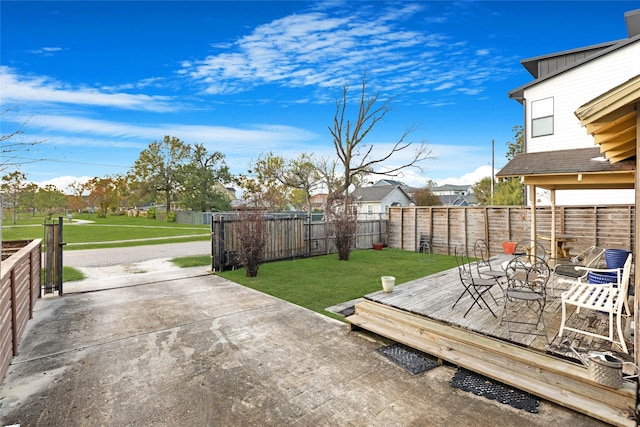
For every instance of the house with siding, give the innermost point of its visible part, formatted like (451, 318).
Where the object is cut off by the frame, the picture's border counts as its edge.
(373, 202)
(564, 81)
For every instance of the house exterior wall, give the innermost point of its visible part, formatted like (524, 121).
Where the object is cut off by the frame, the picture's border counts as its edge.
(569, 91)
(376, 209)
(574, 88)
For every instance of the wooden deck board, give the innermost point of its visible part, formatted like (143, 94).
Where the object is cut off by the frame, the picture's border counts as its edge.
(420, 314)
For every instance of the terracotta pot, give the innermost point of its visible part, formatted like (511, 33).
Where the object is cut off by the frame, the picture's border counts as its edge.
(509, 247)
(377, 246)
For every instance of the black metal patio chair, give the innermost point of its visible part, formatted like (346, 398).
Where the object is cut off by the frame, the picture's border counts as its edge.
(525, 295)
(475, 287)
(483, 263)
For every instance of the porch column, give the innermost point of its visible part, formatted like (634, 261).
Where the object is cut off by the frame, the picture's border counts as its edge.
(554, 246)
(532, 197)
(636, 254)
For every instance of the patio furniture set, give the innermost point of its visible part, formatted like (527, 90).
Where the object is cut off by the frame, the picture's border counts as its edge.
(523, 280)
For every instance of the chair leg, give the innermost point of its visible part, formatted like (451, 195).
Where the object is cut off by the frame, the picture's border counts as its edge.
(623, 344)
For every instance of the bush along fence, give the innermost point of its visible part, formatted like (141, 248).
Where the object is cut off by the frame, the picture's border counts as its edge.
(447, 227)
(287, 238)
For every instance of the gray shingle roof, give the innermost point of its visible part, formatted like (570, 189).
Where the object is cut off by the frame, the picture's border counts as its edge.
(562, 162)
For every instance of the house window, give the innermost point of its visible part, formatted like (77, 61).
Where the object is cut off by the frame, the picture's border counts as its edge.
(542, 117)
(370, 209)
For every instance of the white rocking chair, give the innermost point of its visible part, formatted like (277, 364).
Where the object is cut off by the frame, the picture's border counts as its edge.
(606, 297)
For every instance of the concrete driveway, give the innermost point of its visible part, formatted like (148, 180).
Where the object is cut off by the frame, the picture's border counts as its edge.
(184, 347)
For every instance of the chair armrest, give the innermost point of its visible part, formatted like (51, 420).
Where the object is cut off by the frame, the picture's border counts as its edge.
(598, 270)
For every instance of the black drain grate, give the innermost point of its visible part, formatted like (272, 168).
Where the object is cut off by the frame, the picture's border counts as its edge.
(494, 390)
(413, 361)
(347, 311)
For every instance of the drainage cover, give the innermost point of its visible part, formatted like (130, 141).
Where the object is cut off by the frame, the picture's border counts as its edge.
(410, 359)
(347, 311)
(494, 390)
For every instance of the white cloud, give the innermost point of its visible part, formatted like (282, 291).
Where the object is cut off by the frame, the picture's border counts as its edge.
(16, 88)
(62, 183)
(334, 46)
(469, 178)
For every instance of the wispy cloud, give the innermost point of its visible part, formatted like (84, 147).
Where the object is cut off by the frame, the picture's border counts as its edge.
(47, 51)
(330, 47)
(119, 134)
(40, 89)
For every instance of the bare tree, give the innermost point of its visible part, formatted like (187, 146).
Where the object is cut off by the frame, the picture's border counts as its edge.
(11, 145)
(358, 160)
(348, 140)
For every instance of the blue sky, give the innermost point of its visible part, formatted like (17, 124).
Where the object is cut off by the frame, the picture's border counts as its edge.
(98, 81)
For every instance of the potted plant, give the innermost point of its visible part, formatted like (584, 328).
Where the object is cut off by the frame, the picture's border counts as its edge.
(378, 246)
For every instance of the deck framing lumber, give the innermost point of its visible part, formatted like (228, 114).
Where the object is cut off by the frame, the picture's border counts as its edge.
(543, 375)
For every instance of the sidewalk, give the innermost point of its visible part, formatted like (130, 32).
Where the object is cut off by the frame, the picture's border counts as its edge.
(183, 347)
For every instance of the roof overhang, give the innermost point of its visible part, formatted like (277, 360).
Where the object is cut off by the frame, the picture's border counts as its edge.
(612, 120)
(583, 168)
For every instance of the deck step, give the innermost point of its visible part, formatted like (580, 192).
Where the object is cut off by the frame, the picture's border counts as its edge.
(545, 376)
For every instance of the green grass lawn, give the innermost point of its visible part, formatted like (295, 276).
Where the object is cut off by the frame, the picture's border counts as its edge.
(109, 232)
(320, 282)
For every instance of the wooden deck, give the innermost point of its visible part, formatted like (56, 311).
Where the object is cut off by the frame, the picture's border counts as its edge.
(420, 314)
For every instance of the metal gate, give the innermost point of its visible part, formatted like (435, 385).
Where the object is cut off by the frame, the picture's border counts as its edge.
(53, 257)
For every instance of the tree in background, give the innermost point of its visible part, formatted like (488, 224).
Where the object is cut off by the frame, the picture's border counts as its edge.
(357, 158)
(292, 179)
(157, 168)
(425, 197)
(75, 199)
(28, 198)
(12, 186)
(50, 200)
(102, 194)
(509, 191)
(202, 179)
(482, 191)
(354, 155)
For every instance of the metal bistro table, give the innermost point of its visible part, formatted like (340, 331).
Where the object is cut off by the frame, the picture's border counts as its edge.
(562, 250)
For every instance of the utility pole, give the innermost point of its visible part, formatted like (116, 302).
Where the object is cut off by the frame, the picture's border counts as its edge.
(492, 167)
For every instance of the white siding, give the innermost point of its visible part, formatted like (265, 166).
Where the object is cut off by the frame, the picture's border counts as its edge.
(570, 90)
(587, 197)
(574, 88)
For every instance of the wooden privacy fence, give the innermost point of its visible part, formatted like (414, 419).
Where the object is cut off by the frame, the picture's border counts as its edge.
(288, 238)
(446, 227)
(19, 289)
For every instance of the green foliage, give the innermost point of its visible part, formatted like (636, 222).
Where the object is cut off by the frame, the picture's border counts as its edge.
(517, 145)
(192, 261)
(171, 217)
(69, 274)
(152, 212)
(155, 174)
(112, 231)
(201, 181)
(482, 191)
(424, 197)
(320, 282)
(509, 192)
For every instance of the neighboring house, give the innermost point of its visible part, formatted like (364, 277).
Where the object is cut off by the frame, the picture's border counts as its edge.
(563, 82)
(455, 195)
(373, 202)
(319, 202)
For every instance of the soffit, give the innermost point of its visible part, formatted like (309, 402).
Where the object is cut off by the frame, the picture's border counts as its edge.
(612, 120)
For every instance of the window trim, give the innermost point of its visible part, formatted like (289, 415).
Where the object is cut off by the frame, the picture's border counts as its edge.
(545, 113)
